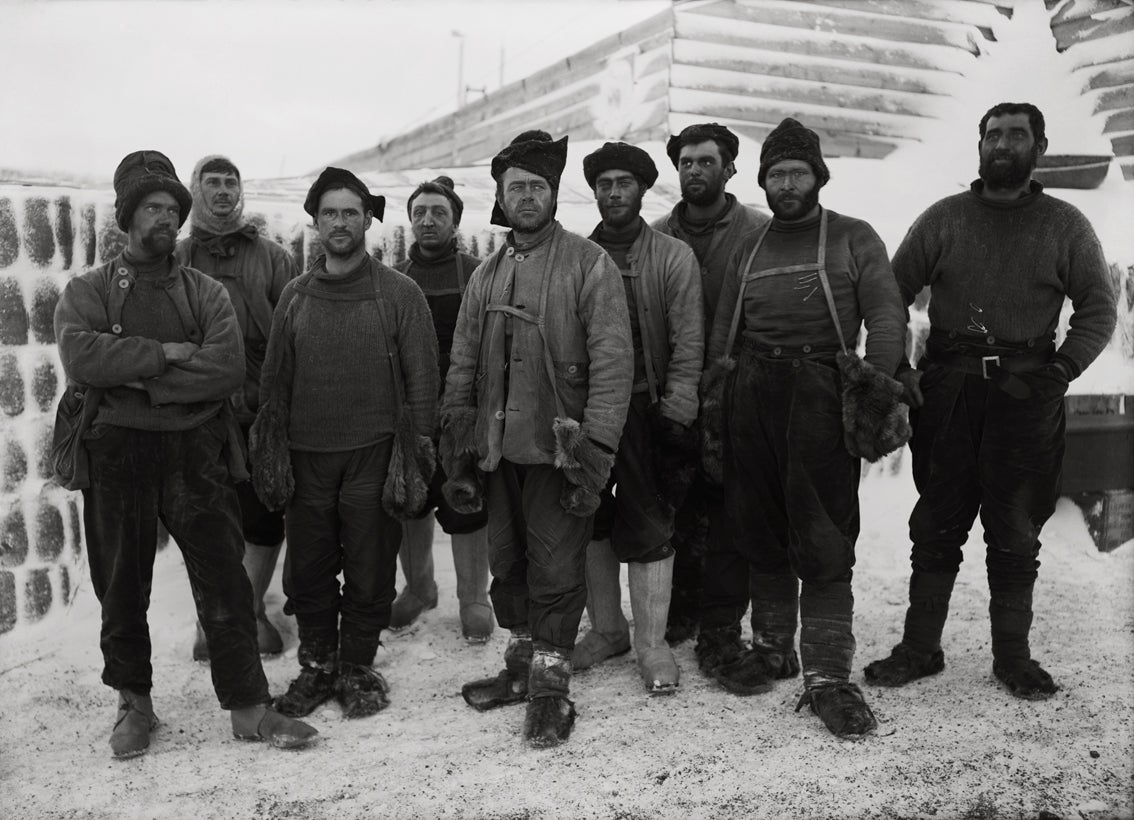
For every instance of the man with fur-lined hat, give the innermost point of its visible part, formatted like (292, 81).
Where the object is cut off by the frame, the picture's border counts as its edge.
(535, 401)
(153, 347)
(773, 394)
(658, 455)
(712, 222)
(254, 270)
(348, 401)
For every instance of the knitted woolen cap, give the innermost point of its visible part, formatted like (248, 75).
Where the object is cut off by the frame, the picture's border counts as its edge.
(698, 133)
(791, 140)
(441, 185)
(140, 174)
(619, 156)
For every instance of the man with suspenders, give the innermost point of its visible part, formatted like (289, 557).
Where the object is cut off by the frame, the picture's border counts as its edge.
(793, 293)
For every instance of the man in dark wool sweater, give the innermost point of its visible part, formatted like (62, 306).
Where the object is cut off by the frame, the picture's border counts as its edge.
(161, 343)
(790, 483)
(535, 401)
(999, 260)
(348, 401)
(712, 222)
(254, 270)
(442, 271)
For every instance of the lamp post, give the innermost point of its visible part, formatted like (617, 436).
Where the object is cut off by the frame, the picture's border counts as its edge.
(460, 68)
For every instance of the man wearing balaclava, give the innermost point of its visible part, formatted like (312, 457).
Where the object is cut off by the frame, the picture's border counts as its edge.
(790, 482)
(254, 270)
(999, 260)
(535, 401)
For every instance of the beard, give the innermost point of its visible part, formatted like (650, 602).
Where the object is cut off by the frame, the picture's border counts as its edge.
(530, 222)
(344, 251)
(159, 242)
(794, 207)
(623, 218)
(702, 196)
(1010, 174)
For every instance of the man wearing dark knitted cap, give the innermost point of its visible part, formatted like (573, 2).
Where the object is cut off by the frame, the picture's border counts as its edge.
(348, 401)
(154, 347)
(658, 453)
(442, 271)
(712, 222)
(999, 260)
(254, 270)
(773, 405)
(535, 401)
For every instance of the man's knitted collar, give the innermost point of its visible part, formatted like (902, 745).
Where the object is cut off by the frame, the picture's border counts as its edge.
(1035, 188)
(223, 245)
(418, 258)
(697, 227)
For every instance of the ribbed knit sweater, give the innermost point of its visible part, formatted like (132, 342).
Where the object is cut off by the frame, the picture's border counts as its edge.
(327, 358)
(1002, 270)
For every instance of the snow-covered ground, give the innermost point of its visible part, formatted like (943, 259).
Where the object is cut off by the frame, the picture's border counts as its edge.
(952, 746)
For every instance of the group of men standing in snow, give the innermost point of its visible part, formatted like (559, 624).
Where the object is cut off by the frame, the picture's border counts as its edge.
(501, 393)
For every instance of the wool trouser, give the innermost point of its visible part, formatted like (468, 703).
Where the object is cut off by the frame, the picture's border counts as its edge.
(791, 487)
(336, 523)
(139, 478)
(635, 520)
(537, 554)
(978, 449)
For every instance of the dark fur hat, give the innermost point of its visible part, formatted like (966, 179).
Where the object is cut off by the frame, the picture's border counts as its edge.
(619, 156)
(703, 132)
(333, 178)
(791, 140)
(534, 152)
(441, 185)
(140, 174)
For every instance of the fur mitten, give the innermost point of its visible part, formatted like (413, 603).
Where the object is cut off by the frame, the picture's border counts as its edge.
(676, 456)
(464, 484)
(585, 465)
(874, 417)
(270, 455)
(712, 407)
(412, 462)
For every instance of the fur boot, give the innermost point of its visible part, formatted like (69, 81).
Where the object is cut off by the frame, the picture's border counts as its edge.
(676, 456)
(270, 455)
(712, 408)
(586, 466)
(412, 461)
(464, 485)
(874, 418)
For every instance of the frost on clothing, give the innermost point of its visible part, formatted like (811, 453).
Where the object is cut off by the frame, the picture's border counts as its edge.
(1002, 270)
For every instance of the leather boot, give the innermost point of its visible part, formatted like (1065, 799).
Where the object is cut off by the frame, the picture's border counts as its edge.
(550, 713)
(260, 564)
(261, 723)
(919, 653)
(650, 589)
(1010, 611)
(133, 724)
(470, 559)
(511, 684)
(609, 634)
(416, 557)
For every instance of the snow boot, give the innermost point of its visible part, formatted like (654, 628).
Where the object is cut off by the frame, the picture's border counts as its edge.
(260, 564)
(1010, 612)
(511, 684)
(470, 559)
(261, 723)
(550, 714)
(361, 690)
(319, 669)
(132, 725)
(722, 656)
(841, 706)
(609, 635)
(919, 653)
(775, 616)
(651, 585)
(416, 557)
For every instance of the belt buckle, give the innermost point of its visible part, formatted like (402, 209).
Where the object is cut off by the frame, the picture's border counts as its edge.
(984, 362)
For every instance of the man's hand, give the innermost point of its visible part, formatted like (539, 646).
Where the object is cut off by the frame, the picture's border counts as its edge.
(177, 352)
(911, 381)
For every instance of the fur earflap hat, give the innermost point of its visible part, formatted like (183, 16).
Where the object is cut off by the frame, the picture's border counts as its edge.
(441, 185)
(791, 140)
(702, 132)
(140, 174)
(619, 156)
(333, 178)
(535, 152)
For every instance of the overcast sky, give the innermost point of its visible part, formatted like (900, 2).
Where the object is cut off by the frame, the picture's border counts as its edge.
(281, 87)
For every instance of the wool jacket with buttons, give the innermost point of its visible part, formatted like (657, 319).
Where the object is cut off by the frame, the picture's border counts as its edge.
(666, 285)
(98, 352)
(789, 310)
(254, 270)
(588, 333)
(737, 222)
(1003, 269)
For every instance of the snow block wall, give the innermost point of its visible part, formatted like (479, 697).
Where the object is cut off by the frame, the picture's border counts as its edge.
(48, 235)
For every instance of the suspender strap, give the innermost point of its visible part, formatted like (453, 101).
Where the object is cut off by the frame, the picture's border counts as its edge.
(826, 282)
(391, 345)
(738, 310)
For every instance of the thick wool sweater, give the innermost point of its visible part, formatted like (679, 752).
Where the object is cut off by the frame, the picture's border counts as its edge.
(328, 360)
(1001, 270)
(790, 309)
